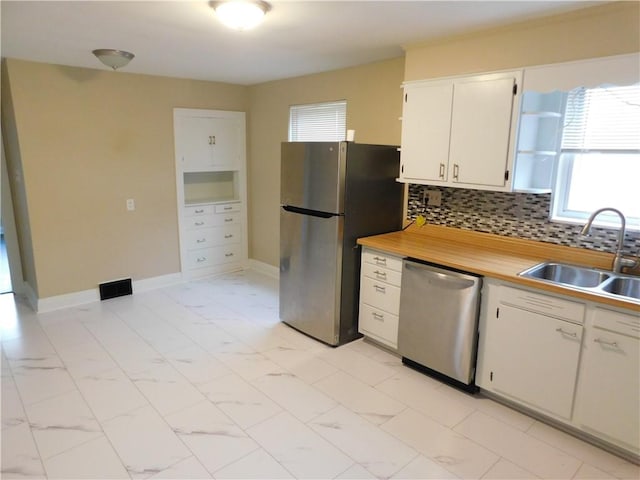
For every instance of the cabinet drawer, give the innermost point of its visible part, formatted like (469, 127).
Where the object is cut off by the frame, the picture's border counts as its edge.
(379, 259)
(379, 325)
(623, 323)
(208, 221)
(207, 257)
(381, 274)
(198, 210)
(545, 304)
(209, 237)
(227, 208)
(380, 295)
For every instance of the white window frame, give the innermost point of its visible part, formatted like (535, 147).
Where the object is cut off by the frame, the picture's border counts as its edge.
(560, 211)
(318, 122)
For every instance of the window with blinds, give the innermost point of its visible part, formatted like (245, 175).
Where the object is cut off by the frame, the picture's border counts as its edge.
(599, 164)
(318, 122)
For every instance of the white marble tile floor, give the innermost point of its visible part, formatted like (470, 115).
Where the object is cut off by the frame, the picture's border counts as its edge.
(202, 380)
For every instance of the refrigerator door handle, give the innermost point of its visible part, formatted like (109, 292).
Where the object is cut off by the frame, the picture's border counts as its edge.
(306, 211)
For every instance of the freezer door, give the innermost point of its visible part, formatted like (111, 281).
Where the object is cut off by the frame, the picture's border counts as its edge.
(312, 175)
(310, 274)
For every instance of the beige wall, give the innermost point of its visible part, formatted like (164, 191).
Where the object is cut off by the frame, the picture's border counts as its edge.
(86, 141)
(593, 32)
(374, 105)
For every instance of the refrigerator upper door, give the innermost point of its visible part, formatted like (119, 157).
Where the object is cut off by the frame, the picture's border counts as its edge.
(312, 175)
(310, 273)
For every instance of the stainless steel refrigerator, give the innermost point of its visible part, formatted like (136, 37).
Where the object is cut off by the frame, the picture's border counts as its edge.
(332, 193)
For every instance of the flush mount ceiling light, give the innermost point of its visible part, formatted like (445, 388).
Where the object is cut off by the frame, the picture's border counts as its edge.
(113, 58)
(240, 14)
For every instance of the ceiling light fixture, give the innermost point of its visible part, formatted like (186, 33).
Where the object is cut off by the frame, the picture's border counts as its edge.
(240, 14)
(113, 58)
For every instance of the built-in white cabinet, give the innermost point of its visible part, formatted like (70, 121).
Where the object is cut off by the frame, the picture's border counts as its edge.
(608, 394)
(209, 139)
(539, 140)
(531, 349)
(458, 131)
(380, 279)
(211, 186)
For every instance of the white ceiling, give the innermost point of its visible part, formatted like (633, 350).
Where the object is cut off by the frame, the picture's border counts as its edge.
(184, 39)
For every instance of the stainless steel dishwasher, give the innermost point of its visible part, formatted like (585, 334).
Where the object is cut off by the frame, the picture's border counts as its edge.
(438, 323)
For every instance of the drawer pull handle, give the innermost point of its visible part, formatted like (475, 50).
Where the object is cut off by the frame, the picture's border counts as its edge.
(381, 274)
(441, 172)
(201, 240)
(200, 210)
(380, 260)
(199, 224)
(228, 254)
(377, 316)
(228, 236)
(564, 332)
(228, 219)
(379, 289)
(201, 259)
(228, 208)
(604, 342)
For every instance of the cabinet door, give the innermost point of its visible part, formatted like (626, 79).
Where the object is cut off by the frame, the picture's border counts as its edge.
(481, 131)
(532, 358)
(608, 396)
(208, 143)
(426, 121)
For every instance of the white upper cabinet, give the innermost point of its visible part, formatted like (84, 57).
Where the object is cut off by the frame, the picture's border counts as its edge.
(458, 131)
(209, 141)
(426, 129)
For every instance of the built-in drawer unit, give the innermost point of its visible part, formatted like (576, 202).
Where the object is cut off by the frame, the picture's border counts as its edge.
(380, 279)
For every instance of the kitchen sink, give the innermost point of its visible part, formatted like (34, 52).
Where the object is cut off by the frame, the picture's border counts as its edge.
(586, 279)
(625, 286)
(567, 274)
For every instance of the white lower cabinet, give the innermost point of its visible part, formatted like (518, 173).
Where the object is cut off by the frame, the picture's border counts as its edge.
(212, 239)
(608, 394)
(531, 350)
(380, 278)
(574, 362)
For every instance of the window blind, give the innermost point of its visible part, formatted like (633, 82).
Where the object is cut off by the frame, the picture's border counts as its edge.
(318, 122)
(602, 119)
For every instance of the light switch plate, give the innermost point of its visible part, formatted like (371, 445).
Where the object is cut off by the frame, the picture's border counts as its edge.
(435, 198)
(131, 204)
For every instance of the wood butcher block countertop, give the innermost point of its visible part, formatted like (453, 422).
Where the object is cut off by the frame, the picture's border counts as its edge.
(493, 256)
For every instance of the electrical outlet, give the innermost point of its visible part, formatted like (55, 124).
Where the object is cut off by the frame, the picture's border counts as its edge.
(131, 204)
(435, 198)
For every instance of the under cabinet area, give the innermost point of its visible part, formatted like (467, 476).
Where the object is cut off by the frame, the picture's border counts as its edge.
(458, 132)
(380, 279)
(211, 186)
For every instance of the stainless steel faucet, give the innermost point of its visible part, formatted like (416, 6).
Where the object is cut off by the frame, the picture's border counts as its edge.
(619, 262)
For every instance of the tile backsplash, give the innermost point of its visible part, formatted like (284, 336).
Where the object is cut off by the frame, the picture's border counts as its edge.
(521, 215)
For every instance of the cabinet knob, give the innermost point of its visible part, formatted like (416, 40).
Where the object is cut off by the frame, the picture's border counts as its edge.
(379, 289)
(564, 332)
(604, 342)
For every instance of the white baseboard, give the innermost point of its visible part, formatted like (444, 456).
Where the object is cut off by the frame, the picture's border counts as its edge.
(264, 268)
(73, 299)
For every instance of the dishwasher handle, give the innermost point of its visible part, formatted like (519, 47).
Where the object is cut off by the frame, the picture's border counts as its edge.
(447, 278)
